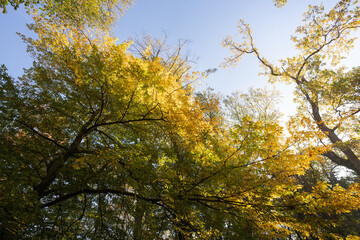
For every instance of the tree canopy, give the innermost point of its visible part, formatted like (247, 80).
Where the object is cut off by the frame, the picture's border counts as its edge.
(107, 139)
(86, 13)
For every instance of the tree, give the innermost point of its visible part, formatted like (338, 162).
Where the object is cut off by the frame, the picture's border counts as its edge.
(86, 13)
(152, 49)
(83, 97)
(330, 95)
(258, 104)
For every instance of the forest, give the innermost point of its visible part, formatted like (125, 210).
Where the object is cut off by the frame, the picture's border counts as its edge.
(109, 139)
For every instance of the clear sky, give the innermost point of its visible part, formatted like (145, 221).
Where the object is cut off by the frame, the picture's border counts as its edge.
(204, 23)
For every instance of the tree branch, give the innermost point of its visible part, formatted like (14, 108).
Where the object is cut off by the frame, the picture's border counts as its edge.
(98, 191)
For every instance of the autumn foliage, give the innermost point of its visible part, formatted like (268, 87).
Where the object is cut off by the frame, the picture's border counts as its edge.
(98, 142)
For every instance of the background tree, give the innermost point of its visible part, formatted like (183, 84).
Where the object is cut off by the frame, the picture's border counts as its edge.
(173, 57)
(258, 104)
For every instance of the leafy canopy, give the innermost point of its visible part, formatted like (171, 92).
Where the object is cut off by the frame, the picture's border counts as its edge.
(97, 142)
(85, 13)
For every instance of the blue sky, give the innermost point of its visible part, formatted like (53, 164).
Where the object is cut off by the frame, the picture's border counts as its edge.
(204, 23)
